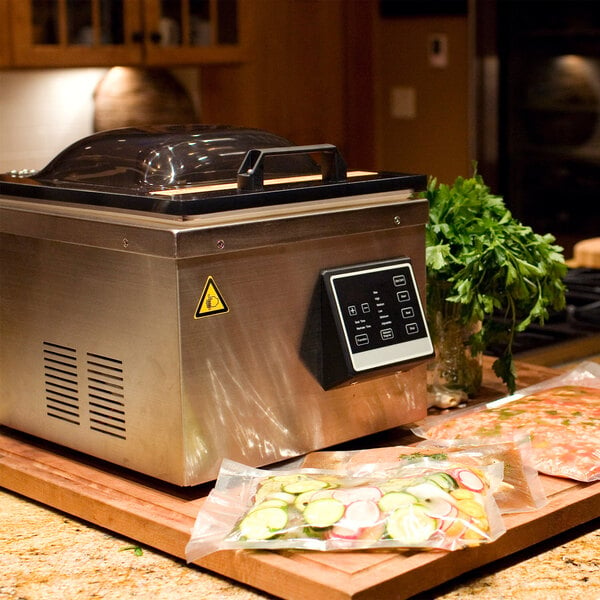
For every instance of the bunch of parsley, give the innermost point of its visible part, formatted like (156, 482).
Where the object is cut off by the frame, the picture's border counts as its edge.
(497, 270)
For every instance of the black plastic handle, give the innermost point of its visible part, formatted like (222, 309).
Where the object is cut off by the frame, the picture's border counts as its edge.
(251, 174)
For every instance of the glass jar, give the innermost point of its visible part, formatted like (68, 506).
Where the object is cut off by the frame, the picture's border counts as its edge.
(455, 374)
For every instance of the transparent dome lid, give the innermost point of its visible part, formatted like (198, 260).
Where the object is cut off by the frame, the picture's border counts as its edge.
(143, 160)
(187, 170)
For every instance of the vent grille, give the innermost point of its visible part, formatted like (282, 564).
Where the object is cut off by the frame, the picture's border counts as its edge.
(61, 383)
(105, 390)
(106, 395)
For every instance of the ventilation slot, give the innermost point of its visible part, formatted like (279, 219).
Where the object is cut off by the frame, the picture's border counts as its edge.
(105, 395)
(60, 383)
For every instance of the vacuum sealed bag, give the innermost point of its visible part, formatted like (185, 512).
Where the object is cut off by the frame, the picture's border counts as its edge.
(561, 416)
(520, 490)
(421, 505)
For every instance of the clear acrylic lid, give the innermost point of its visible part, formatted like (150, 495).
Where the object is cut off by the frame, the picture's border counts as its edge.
(142, 160)
(196, 169)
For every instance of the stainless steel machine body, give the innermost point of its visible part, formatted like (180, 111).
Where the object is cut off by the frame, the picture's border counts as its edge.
(164, 343)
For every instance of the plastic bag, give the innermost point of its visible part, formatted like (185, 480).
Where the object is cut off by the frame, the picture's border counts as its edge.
(519, 491)
(421, 505)
(561, 416)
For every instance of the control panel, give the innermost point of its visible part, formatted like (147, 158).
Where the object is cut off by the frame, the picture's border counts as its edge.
(378, 314)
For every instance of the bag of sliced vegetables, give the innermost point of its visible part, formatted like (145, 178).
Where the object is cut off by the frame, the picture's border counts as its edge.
(520, 489)
(422, 505)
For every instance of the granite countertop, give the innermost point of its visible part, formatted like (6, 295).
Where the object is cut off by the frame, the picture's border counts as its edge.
(46, 554)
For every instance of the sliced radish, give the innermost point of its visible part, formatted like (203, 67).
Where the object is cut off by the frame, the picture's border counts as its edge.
(440, 507)
(469, 480)
(344, 533)
(322, 494)
(454, 527)
(373, 533)
(362, 513)
(348, 495)
(446, 515)
(445, 523)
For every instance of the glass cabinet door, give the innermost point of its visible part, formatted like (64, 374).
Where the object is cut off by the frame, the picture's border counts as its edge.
(75, 32)
(58, 33)
(78, 22)
(193, 30)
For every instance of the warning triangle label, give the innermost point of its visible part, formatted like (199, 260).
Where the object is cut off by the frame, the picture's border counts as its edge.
(211, 301)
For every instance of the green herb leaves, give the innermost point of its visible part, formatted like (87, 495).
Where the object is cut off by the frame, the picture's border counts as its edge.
(489, 264)
(136, 550)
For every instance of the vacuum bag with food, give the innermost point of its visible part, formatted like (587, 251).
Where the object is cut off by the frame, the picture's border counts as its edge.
(561, 416)
(520, 490)
(421, 505)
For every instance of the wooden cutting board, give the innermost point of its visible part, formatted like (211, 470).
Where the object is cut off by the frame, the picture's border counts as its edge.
(586, 254)
(161, 516)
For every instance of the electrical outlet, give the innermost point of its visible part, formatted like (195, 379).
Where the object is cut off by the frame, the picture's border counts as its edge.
(403, 102)
(437, 50)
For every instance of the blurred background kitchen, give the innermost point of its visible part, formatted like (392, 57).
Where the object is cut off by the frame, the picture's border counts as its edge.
(423, 86)
(417, 86)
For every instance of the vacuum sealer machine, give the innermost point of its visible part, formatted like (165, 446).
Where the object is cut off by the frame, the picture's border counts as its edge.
(173, 296)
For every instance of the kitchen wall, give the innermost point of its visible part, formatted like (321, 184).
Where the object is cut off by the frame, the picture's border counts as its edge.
(423, 102)
(42, 111)
(364, 83)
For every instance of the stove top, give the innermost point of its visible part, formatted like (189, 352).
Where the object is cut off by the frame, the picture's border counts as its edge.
(568, 334)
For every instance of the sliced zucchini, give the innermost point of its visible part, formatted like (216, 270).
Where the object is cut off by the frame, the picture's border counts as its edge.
(283, 496)
(263, 523)
(285, 479)
(303, 499)
(411, 525)
(304, 485)
(393, 500)
(445, 481)
(266, 489)
(269, 503)
(323, 512)
(398, 484)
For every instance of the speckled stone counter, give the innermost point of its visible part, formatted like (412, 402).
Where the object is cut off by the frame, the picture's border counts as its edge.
(47, 555)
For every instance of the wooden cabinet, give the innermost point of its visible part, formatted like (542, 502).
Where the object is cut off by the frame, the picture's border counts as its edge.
(307, 76)
(61, 33)
(4, 34)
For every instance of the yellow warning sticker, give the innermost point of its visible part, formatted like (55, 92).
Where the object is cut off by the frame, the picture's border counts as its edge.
(211, 301)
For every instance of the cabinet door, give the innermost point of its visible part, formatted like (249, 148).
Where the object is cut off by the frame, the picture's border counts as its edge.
(192, 31)
(4, 34)
(76, 32)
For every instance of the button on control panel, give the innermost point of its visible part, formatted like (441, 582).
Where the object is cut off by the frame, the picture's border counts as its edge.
(378, 313)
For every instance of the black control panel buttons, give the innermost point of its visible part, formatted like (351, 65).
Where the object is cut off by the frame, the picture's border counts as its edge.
(378, 313)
